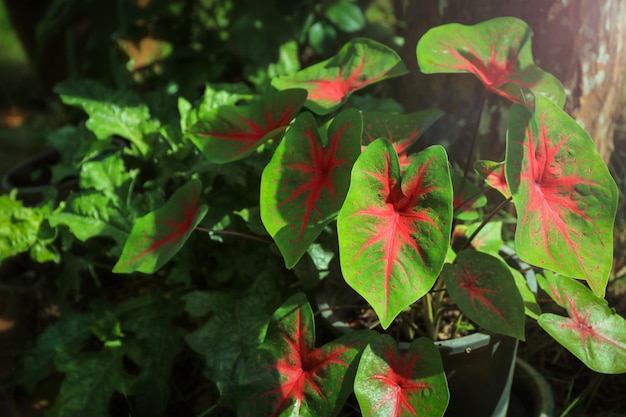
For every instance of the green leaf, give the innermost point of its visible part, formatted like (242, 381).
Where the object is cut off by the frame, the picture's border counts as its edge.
(565, 197)
(394, 230)
(19, 226)
(90, 381)
(346, 15)
(497, 51)
(230, 133)
(485, 291)
(305, 183)
(359, 63)
(67, 334)
(390, 383)
(106, 175)
(593, 332)
(288, 376)
(230, 335)
(159, 235)
(110, 112)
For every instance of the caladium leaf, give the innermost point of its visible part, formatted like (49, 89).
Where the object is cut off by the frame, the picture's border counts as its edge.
(288, 376)
(548, 282)
(359, 63)
(394, 231)
(390, 383)
(485, 290)
(593, 332)
(305, 183)
(497, 51)
(159, 235)
(494, 175)
(233, 132)
(565, 197)
(402, 130)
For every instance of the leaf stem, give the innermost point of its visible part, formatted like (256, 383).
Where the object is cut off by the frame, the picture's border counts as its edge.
(484, 222)
(231, 233)
(470, 154)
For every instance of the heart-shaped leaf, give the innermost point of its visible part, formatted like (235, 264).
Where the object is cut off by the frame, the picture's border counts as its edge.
(231, 132)
(390, 383)
(565, 197)
(394, 230)
(485, 290)
(402, 130)
(288, 376)
(159, 235)
(305, 183)
(359, 63)
(494, 175)
(593, 332)
(497, 51)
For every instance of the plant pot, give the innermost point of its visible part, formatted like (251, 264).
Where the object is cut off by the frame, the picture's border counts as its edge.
(531, 395)
(479, 367)
(32, 177)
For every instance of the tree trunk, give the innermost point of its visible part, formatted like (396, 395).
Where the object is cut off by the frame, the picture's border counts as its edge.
(582, 42)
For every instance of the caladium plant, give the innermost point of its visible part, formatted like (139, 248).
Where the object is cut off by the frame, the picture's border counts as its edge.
(406, 230)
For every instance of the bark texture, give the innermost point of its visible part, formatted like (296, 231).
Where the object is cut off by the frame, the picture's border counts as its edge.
(582, 42)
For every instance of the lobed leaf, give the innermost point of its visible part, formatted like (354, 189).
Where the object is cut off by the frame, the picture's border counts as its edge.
(159, 235)
(230, 132)
(359, 63)
(593, 332)
(565, 197)
(485, 290)
(306, 181)
(497, 51)
(394, 231)
(390, 383)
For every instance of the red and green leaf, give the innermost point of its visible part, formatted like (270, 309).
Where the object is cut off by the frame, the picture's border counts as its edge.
(593, 331)
(288, 376)
(497, 51)
(394, 231)
(359, 63)
(233, 132)
(402, 130)
(564, 195)
(159, 235)
(306, 182)
(547, 280)
(411, 383)
(485, 290)
(494, 175)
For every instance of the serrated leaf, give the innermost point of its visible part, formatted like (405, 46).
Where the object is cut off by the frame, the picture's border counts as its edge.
(358, 64)
(564, 195)
(390, 383)
(159, 235)
(288, 376)
(305, 183)
(485, 290)
(394, 231)
(233, 332)
(497, 51)
(90, 381)
(402, 130)
(110, 112)
(19, 226)
(233, 132)
(593, 332)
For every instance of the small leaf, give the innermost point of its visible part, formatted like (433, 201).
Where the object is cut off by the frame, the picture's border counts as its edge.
(494, 175)
(159, 235)
(394, 231)
(346, 16)
(485, 290)
(593, 332)
(233, 132)
(564, 195)
(497, 51)
(305, 183)
(19, 226)
(288, 376)
(402, 130)
(358, 64)
(411, 383)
